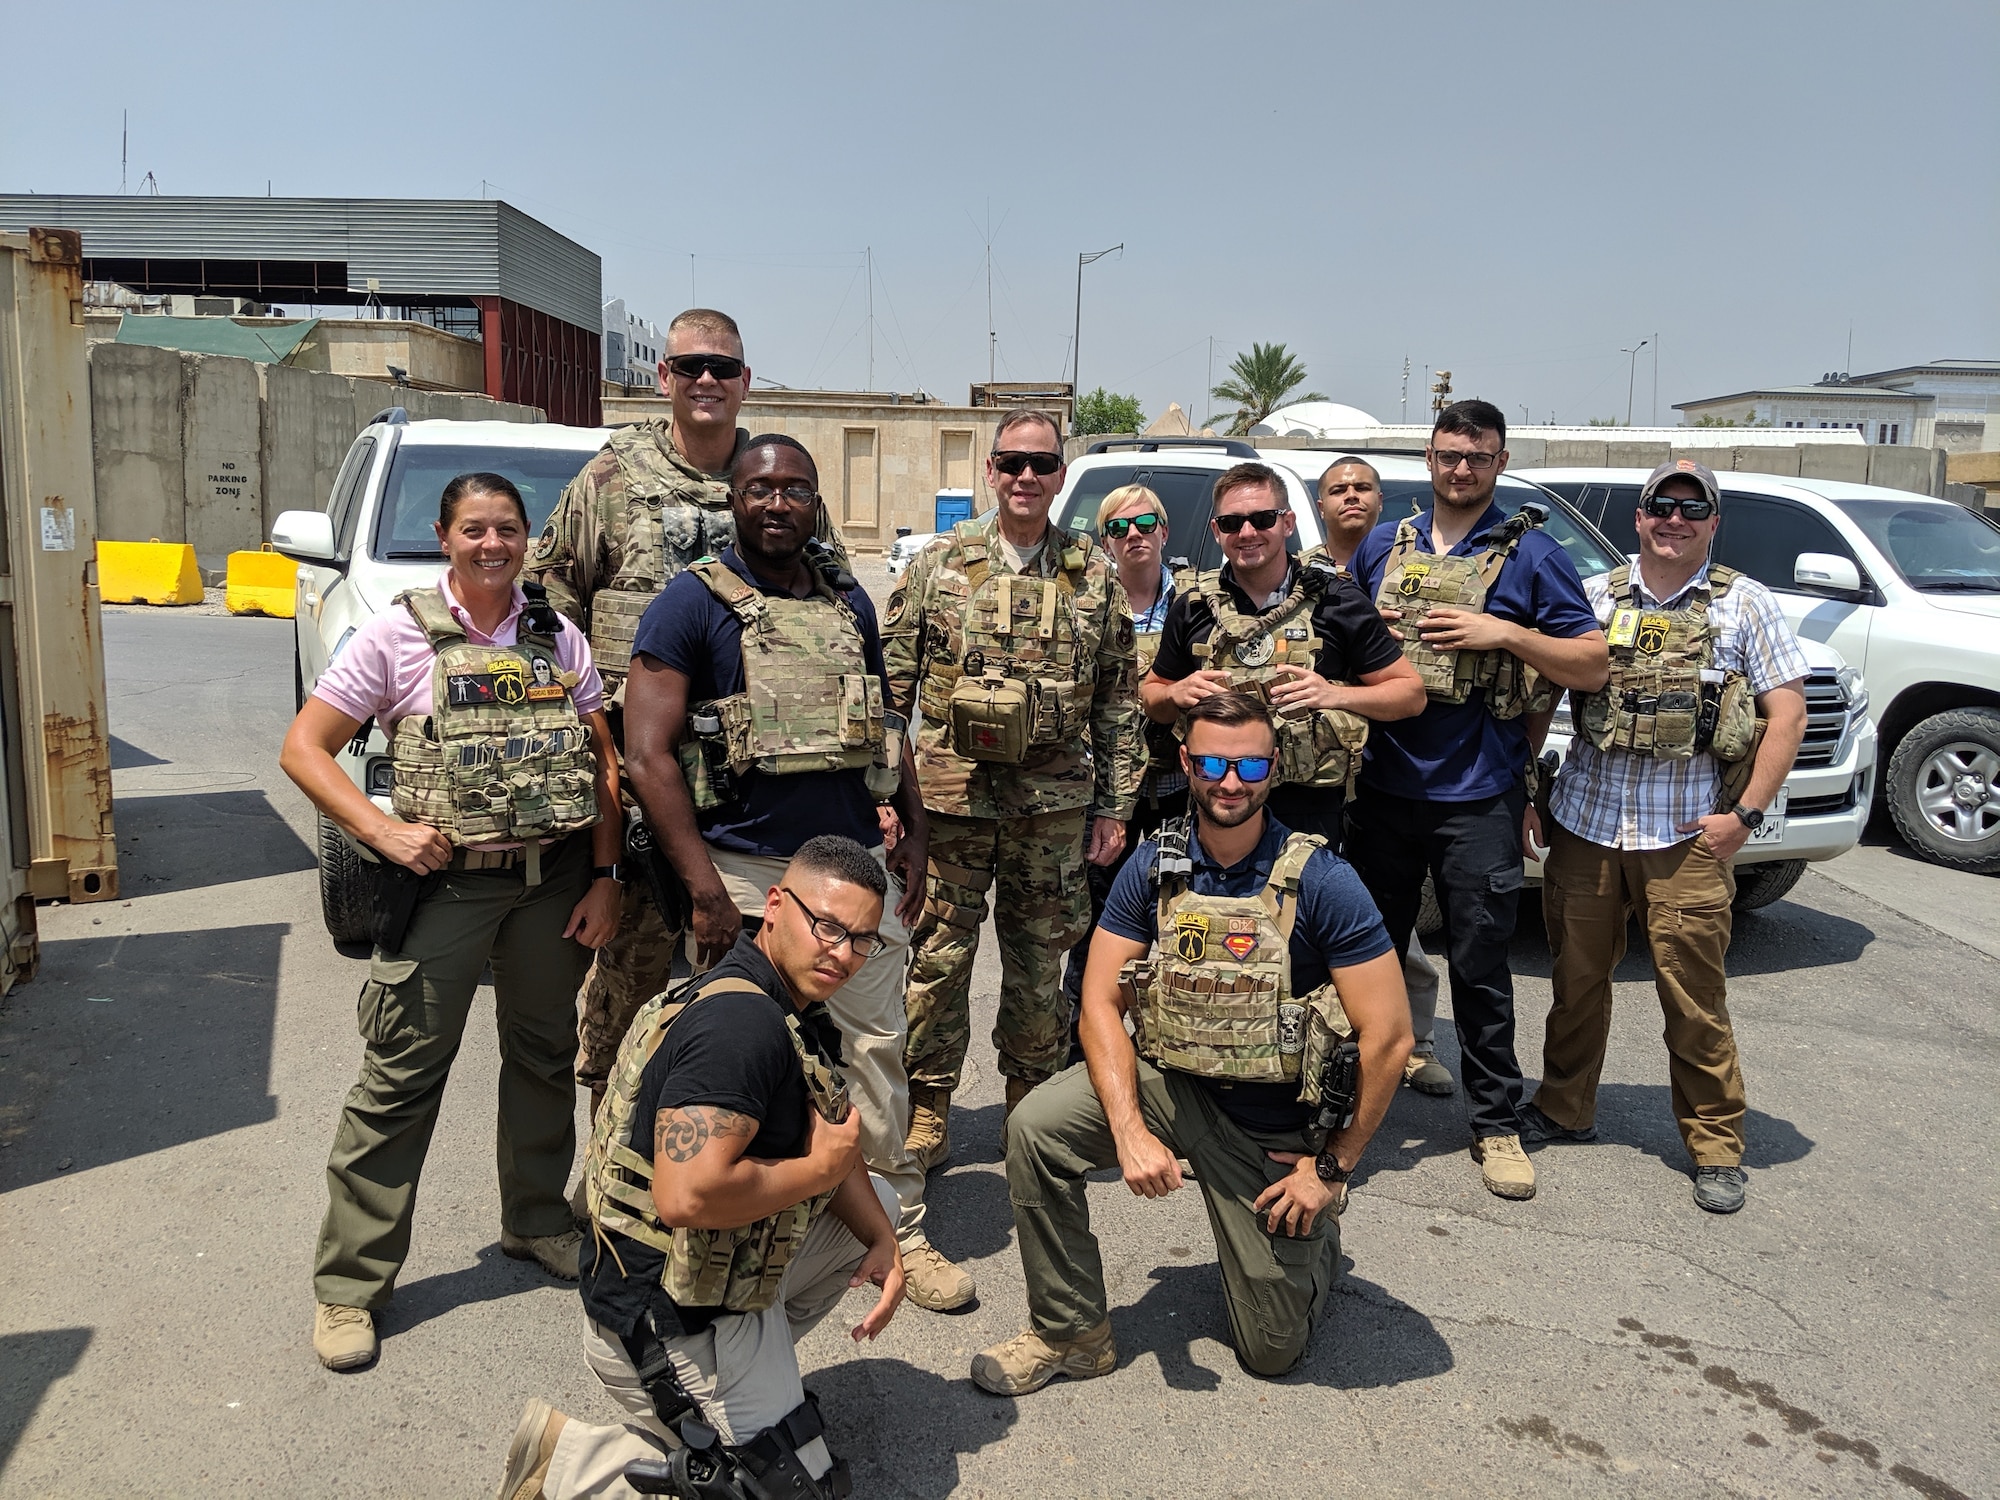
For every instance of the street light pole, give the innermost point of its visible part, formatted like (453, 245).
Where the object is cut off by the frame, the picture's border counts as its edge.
(1631, 375)
(1075, 365)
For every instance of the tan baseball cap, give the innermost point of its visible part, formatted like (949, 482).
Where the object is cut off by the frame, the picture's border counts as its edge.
(1685, 467)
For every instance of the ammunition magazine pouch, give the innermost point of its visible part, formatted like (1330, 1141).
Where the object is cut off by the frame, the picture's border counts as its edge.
(1736, 773)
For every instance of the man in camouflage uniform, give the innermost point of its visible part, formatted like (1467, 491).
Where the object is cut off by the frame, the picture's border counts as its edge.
(1001, 605)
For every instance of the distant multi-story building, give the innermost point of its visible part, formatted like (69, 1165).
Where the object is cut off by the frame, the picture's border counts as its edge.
(633, 347)
(1949, 403)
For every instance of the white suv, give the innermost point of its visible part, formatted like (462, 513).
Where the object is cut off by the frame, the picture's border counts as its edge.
(373, 541)
(1824, 805)
(1907, 588)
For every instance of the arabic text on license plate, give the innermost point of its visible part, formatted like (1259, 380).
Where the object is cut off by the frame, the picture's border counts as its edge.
(1773, 831)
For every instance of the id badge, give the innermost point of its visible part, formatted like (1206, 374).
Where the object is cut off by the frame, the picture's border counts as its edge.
(1624, 628)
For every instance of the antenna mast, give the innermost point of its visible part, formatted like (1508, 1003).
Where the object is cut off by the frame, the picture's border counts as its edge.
(868, 260)
(124, 146)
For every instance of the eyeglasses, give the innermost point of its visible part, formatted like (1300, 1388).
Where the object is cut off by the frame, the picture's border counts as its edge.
(1659, 507)
(762, 493)
(865, 944)
(1145, 525)
(1250, 769)
(1479, 463)
(1259, 520)
(692, 367)
(1011, 461)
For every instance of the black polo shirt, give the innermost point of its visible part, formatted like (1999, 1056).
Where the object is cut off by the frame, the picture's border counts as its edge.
(733, 1052)
(1354, 641)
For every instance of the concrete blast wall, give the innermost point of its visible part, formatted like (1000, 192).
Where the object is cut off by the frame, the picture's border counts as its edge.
(207, 450)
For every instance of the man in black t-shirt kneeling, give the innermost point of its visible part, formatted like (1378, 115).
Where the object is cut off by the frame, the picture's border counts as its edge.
(730, 1210)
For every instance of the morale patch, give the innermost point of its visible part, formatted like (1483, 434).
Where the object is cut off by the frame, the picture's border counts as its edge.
(463, 689)
(1296, 633)
(1242, 924)
(1652, 636)
(1257, 650)
(898, 602)
(510, 684)
(1191, 936)
(1241, 944)
(1413, 578)
(1291, 1029)
(545, 545)
(1124, 632)
(544, 690)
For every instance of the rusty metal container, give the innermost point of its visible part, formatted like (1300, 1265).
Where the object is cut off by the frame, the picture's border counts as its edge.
(56, 838)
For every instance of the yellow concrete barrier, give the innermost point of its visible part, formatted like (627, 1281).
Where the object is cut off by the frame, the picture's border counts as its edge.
(154, 572)
(262, 583)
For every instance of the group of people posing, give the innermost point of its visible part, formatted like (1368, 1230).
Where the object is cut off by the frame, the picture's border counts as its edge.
(1202, 807)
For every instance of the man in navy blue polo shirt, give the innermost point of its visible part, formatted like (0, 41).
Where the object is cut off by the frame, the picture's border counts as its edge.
(1444, 793)
(784, 660)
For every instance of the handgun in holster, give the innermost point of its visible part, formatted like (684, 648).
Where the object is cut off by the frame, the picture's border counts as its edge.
(398, 889)
(1339, 1087)
(663, 881)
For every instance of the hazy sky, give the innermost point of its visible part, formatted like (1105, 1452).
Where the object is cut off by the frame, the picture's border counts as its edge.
(1513, 192)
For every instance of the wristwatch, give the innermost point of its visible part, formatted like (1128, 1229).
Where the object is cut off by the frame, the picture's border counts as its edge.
(608, 872)
(1328, 1166)
(1753, 817)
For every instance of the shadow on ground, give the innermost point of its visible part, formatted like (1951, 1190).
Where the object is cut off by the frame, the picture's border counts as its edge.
(494, 1275)
(1780, 938)
(969, 1215)
(186, 840)
(29, 1364)
(903, 1429)
(128, 1045)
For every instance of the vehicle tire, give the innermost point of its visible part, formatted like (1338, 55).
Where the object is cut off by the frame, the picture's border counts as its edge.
(1429, 919)
(1759, 885)
(1944, 789)
(346, 886)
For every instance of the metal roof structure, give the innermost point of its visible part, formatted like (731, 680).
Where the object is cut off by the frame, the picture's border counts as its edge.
(1837, 392)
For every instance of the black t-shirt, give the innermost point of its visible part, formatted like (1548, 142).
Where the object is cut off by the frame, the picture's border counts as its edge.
(1354, 639)
(734, 1052)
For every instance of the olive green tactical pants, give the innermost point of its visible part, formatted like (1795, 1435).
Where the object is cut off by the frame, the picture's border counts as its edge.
(1274, 1286)
(1034, 867)
(413, 1013)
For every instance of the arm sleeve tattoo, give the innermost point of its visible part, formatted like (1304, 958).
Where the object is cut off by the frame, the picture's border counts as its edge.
(680, 1134)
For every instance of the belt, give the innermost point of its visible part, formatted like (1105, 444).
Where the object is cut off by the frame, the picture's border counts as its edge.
(505, 859)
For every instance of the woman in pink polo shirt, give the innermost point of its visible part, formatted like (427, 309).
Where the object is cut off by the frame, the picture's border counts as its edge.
(495, 717)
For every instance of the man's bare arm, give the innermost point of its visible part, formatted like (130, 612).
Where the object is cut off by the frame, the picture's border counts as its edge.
(1378, 1007)
(702, 1179)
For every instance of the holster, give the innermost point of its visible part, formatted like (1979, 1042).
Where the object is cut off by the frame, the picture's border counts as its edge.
(663, 881)
(398, 889)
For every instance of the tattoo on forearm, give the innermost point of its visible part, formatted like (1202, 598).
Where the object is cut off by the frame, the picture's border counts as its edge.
(679, 1134)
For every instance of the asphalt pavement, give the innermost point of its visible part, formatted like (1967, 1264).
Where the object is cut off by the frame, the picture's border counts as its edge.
(170, 1082)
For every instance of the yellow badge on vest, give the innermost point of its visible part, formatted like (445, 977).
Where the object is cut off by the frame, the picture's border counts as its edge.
(1413, 578)
(1624, 627)
(1652, 637)
(1191, 936)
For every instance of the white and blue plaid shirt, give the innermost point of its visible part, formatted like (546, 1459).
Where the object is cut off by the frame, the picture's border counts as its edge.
(1627, 801)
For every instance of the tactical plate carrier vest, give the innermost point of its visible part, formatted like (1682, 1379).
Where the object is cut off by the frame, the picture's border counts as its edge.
(1216, 1001)
(809, 702)
(1665, 697)
(644, 568)
(1316, 746)
(736, 1269)
(502, 755)
(1416, 582)
(1010, 684)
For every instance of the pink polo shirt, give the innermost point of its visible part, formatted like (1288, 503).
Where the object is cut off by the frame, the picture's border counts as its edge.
(385, 670)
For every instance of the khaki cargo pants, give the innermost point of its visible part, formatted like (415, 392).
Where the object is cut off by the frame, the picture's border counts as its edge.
(1274, 1286)
(742, 1370)
(412, 1015)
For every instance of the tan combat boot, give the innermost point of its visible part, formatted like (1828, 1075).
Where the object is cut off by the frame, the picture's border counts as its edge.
(932, 1282)
(343, 1337)
(1504, 1167)
(529, 1454)
(929, 1140)
(555, 1253)
(1028, 1361)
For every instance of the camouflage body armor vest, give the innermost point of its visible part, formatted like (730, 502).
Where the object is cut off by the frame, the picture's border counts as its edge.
(1665, 697)
(1415, 583)
(502, 755)
(737, 1269)
(1216, 1001)
(1009, 682)
(643, 568)
(809, 702)
(1316, 746)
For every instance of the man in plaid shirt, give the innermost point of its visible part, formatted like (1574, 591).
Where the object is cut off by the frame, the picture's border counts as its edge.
(1637, 831)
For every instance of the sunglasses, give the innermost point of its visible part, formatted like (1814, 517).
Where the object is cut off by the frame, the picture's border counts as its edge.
(1011, 461)
(1659, 507)
(1250, 769)
(1258, 520)
(694, 366)
(1145, 525)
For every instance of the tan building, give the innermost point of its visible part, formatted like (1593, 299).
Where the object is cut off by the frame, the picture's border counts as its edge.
(882, 457)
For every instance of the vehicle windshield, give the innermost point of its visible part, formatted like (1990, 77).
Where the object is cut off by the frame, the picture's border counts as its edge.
(420, 471)
(1587, 553)
(1938, 547)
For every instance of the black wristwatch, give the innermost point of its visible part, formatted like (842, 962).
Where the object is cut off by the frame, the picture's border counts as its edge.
(1753, 817)
(608, 872)
(1329, 1168)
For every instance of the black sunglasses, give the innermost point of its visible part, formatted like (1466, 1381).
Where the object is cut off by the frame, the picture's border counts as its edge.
(1659, 507)
(1145, 525)
(694, 366)
(1250, 769)
(1011, 461)
(1261, 520)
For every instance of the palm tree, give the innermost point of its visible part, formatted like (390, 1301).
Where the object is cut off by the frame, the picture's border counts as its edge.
(1264, 380)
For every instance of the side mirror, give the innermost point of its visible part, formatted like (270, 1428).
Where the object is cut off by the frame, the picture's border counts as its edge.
(1827, 571)
(304, 536)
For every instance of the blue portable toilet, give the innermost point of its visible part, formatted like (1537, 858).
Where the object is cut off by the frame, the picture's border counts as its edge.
(953, 506)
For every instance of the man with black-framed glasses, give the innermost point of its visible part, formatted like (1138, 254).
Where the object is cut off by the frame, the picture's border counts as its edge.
(651, 502)
(755, 721)
(1014, 640)
(1267, 957)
